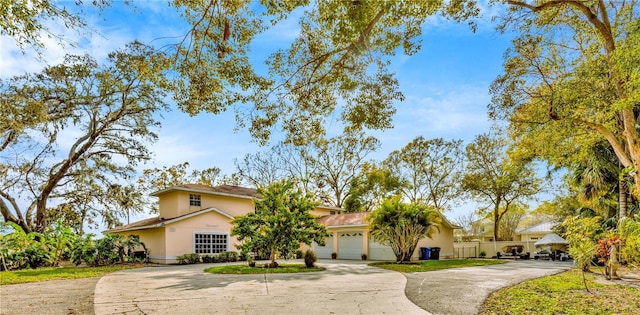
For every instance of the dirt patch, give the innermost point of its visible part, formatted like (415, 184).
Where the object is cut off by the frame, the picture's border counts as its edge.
(628, 277)
(49, 297)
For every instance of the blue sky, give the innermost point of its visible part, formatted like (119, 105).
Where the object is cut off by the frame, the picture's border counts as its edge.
(445, 84)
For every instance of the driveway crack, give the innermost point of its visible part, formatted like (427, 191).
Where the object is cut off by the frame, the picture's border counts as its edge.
(266, 284)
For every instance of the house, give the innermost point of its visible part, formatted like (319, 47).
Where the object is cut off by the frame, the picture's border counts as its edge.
(197, 219)
(524, 238)
(349, 238)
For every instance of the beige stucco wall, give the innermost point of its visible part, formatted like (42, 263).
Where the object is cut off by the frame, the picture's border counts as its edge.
(179, 235)
(318, 212)
(442, 238)
(176, 203)
(154, 241)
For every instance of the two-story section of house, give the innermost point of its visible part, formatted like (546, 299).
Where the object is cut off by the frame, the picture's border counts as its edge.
(196, 219)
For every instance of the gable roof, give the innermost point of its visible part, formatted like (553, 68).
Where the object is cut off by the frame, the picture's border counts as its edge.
(544, 227)
(353, 219)
(222, 190)
(160, 222)
(360, 219)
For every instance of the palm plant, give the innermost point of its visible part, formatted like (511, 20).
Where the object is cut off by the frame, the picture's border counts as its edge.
(400, 225)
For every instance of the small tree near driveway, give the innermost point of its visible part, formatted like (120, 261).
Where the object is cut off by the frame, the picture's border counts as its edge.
(401, 225)
(281, 222)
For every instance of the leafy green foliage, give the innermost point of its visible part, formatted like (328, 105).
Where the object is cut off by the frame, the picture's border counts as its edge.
(191, 258)
(581, 234)
(23, 21)
(563, 294)
(19, 250)
(429, 169)
(373, 185)
(111, 109)
(281, 222)
(401, 225)
(570, 80)
(493, 178)
(629, 229)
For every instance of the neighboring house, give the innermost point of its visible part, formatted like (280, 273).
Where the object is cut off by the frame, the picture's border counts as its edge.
(197, 219)
(536, 232)
(524, 238)
(532, 233)
(349, 238)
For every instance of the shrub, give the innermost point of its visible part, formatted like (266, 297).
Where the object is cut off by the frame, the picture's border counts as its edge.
(192, 258)
(310, 258)
(483, 254)
(207, 259)
(228, 256)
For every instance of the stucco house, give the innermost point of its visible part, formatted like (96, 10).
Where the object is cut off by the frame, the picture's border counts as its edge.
(197, 219)
(349, 238)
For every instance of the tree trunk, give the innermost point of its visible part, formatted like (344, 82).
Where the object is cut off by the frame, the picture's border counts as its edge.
(622, 200)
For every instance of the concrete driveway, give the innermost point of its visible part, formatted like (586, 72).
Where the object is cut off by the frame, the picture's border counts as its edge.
(463, 290)
(345, 287)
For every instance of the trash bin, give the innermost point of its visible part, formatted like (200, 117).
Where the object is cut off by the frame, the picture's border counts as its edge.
(424, 253)
(435, 253)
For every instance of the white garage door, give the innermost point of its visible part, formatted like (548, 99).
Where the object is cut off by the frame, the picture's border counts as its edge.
(350, 245)
(324, 252)
(378, 251)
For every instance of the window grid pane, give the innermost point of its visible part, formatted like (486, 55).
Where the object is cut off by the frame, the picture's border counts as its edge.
(194, 200)
(205, 243)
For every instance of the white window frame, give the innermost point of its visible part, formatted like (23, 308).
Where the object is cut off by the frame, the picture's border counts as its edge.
(226, 248)
(193, 199)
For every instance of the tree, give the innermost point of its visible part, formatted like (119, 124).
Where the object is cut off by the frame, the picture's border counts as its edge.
(337, 161)
(337, 65)
(108, 112)
(497, 180)
(281, 222)
(401, 225)
(471, 225)
(23, 20)
(430, 169)
(370, 187)
(510, 221)
(161, 178)
(261, 169)
(571, 80)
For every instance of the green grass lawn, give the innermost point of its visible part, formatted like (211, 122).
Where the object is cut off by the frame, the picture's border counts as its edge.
(57, 273)
(245, 269)
(431, 265)
(563, 294)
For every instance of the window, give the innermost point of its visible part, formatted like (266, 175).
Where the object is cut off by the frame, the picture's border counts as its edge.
(194, 200)
(332, 212)
(209, 243)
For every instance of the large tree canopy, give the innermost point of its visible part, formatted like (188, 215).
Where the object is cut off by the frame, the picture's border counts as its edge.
(430, 170)
(572, 79)
(496, 180)
(336, 67)
(70, 131)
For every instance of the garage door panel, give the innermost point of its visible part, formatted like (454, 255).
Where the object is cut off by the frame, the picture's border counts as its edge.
(324, 252)
(378, 251)
(350, 245)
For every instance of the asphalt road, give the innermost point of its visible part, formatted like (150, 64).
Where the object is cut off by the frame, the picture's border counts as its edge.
(462, 291)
